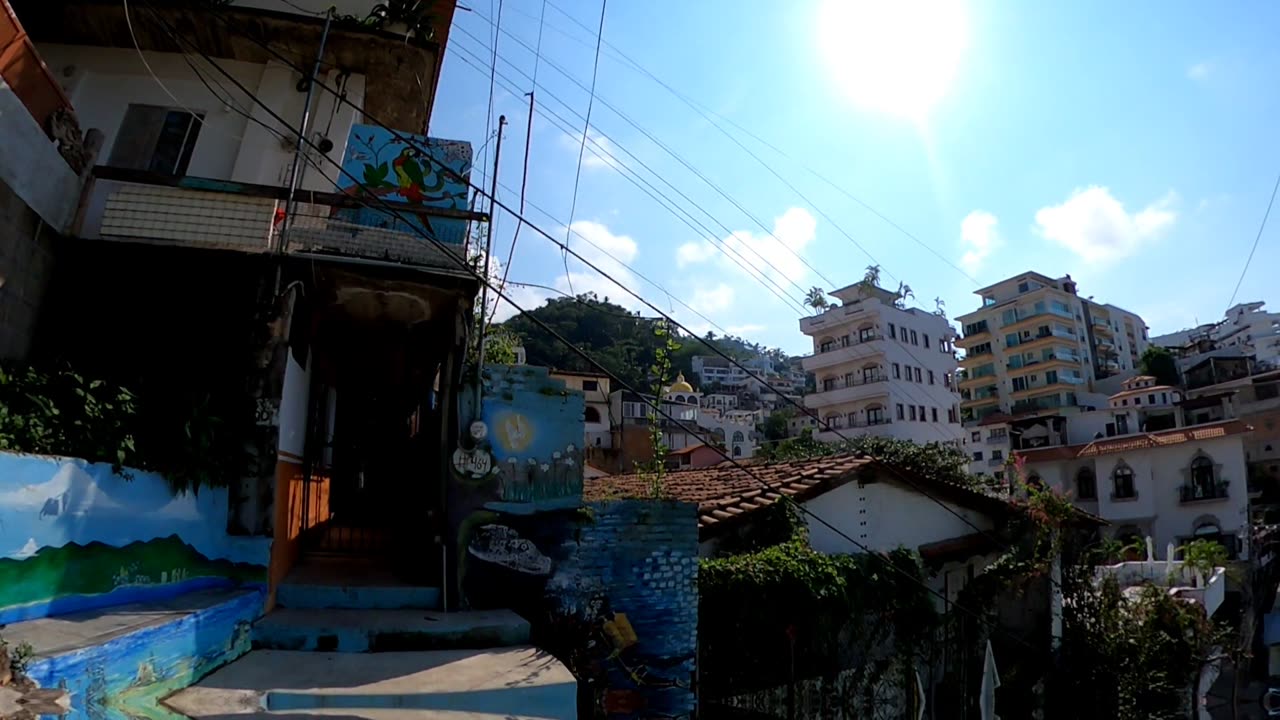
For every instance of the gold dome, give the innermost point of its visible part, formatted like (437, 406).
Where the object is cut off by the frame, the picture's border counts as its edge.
(680, 385)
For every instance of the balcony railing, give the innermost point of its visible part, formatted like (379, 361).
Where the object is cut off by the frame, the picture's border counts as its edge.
(854, 381)
(868, 423)
(998, 439)
(197, 212)
(852, 340)
(1196, 492)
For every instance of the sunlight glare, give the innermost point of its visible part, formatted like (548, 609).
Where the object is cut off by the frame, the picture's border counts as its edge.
(895, 56)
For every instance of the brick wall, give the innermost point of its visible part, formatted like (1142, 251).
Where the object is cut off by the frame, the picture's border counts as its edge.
(25, 263)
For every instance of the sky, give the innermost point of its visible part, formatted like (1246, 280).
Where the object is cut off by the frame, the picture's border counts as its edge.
(953, 143)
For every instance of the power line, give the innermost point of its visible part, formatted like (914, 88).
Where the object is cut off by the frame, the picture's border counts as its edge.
(488, 118)
(648, 188)
(1256, 238)
(656, 405)
(458, 178)
(582, 145)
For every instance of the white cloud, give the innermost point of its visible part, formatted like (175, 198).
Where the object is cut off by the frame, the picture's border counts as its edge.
(1096, 227)
(598, 152)
(775, 256)
(1200, 70)
(31, 548)
(744, 330)
(712, 300)
(979, 237)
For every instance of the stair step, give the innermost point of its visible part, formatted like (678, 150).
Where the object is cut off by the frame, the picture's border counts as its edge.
(358, 631)
(305, 596)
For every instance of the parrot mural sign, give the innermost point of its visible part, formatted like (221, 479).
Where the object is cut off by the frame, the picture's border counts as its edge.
(402, 174)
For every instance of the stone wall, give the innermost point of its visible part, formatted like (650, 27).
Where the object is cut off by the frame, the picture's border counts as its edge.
(610, 589)
(26, 259)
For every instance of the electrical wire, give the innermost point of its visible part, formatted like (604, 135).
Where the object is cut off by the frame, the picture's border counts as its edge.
(1256, 239)
(466, 267)
(488, 118)
(656, 405)
(586, 130)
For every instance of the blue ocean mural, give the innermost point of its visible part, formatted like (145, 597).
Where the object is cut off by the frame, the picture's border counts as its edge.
(77, 536)
(409, 179)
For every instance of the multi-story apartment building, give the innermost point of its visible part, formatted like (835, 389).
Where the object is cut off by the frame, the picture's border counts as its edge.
(1036, 345)
(597, 427)
(1247, 330)
(881, 369)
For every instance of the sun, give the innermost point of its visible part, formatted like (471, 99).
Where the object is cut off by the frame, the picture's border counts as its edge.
(894, 56)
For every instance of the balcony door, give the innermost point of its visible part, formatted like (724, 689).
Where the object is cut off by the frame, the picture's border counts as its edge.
(156, 139)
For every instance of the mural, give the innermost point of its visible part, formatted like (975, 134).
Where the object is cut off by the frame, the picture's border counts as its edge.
(401, 174)
(76, 536)
(126, 677)
(610, 589)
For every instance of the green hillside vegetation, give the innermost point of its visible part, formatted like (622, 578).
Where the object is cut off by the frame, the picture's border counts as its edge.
(623, 341)
(92, 569)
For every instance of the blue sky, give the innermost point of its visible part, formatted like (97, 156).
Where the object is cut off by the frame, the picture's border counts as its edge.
(1131, 145)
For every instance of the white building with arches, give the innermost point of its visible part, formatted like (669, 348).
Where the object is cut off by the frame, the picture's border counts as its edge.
(733, 429)
(1172, 485)
(882, 370)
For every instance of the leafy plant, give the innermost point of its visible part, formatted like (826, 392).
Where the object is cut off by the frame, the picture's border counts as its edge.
(654, 468)
(816, 299)
(1203, 556)
(19, 656)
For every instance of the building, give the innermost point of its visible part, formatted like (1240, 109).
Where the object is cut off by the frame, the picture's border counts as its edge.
(881, 369)
(1036, 345)
(597, 425)
(1254, 399)
(1246, 330)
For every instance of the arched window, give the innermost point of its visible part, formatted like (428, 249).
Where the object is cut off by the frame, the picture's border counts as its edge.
(1202, 481)
(738, 436)
(1086, 484)
(1122, 483)
(591, 415)
(737, 450)
(826, 344)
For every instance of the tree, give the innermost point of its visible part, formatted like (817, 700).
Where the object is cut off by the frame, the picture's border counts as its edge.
(816, 299)
(774, 427)
(871, 280)
(1160, 363)
(904, 292)
(941, 306)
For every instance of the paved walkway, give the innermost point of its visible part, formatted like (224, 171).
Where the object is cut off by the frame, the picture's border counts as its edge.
(520, 683)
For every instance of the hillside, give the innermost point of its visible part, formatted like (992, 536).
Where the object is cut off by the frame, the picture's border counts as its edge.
(622, 341)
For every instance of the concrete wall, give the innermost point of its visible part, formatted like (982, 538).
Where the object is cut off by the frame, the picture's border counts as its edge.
(31, 166)
(76, 536)
(26, 260)
(610, 590)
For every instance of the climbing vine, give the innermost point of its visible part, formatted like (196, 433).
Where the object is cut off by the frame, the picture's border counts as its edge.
(654, 468)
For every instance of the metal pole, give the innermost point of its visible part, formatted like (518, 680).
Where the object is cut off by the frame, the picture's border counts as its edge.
(488, 244)
(282, 242)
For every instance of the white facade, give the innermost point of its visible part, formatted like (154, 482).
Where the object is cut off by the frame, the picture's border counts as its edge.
(1170, 491)
(597, 426)
(1246, 329)
(882, 370)
(1036, 345)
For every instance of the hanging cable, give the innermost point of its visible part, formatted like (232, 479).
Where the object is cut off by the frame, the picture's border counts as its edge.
(582, 145)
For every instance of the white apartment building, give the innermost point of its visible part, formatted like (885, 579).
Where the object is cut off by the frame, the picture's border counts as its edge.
(1247, 329)
(597, 427)
(1035, 345)
(881, 370)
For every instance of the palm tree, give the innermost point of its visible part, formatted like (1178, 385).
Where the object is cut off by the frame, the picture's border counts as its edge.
(871, 280)
(816, 299)
(941, 306)
(904, 292)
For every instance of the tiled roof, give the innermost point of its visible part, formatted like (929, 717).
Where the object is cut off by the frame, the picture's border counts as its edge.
(1142, 441)
(728, 492)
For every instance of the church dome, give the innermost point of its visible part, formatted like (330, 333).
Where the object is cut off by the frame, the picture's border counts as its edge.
(680, 385)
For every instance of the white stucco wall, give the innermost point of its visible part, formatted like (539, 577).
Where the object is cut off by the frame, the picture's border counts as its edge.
(102, 82)
(884, 516)
(31, 166)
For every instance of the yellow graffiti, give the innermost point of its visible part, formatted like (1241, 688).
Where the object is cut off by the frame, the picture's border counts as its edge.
(515, 432)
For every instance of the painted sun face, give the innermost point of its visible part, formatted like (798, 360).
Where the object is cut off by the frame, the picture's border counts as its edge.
(515, 432)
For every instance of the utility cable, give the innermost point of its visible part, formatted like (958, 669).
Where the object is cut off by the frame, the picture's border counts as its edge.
(1256, 239)
(586, 130)
(715, 350)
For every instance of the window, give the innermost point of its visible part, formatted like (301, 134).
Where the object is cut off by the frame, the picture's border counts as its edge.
(1164, 398)
(977, 435)
(875, 416)
(897, 371)
(632, 409)
(870, 374)
(866, 334)
(1137, 400)
(997, 454)
(591, 415)
(926, 341)
(922, 417)
(951, 415)
(977, 455)
(590, 385)
(918, 375)
(156, 139)
(828, 384)
(913, 413)
(999, 474)
(853, 419)
(1023, 287)
(946, 380)
(827, 346)
(893, 330)
(914, 339)
(1122, 483)
(1202, 476)
(933, 412)
(1086, 484)
(930, 377)
(1151, 399)
(902, 412)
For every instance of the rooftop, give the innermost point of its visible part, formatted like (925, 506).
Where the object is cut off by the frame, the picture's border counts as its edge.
(1140, 441)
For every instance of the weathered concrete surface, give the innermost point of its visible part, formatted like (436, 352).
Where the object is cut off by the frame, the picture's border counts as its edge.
(388, 630)
(521, 683)
(65, 633)
(335, 583)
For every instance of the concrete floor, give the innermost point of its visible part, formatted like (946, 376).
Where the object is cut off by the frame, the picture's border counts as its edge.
(520, 683)
(381, 630)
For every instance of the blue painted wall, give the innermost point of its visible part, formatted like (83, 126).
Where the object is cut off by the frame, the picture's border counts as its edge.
(76, 536)
(125, 677)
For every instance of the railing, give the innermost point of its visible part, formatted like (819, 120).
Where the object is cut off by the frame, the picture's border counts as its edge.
(1195, 492)
(855, 381)
(868, 423)
(852, 340)
(998, 439)
(197, 212)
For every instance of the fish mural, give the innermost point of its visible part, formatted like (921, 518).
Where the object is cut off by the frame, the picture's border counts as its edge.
(503, 546)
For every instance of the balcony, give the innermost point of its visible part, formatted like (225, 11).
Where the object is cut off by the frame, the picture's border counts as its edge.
(135, 206)
(998, 439)
(1022, 317)
(858, 348)
(965, 378)
(836, 316)
(1203, 492)
(995, 462)
(842, 391)
(1179, 581)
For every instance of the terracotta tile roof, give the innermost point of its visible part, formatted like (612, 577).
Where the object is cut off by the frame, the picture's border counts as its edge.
(726, 492)
(958, 548)
(1143, 441)
(686, 450)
